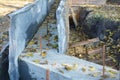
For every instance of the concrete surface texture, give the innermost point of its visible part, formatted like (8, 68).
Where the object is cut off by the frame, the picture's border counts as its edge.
(61, 67)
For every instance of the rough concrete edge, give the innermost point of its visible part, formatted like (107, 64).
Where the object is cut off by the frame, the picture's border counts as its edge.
(59, 11)
(25, 8)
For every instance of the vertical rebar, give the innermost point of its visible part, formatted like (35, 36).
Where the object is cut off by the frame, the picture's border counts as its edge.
(103, 58)
(47, 74)
(40, 44)
(74, 51)
(86, 52)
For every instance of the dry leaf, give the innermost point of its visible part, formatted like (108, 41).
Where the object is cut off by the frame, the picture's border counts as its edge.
(112, 72)
(75, 66)
(68, 67)
(31, 43)
(44, 54)
(84, 69)
(60, 70)
(36, 61)
(29, 55)
(91, 68)
(80, 55)
(95, 75)
(4, 36)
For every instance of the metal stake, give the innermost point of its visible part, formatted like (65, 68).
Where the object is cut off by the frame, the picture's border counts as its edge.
(47, 74)
(41, 44)
(103, 57)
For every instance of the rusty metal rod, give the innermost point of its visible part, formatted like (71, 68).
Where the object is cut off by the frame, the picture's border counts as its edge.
(41, 44)
(86, 52)
(47, 74)
(103, 57)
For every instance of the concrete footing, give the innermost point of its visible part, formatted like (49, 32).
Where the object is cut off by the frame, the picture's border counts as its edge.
(61, 67)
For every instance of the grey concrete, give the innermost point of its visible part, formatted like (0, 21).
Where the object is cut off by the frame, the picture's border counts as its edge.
(63, 26)
(36, 70)
(24, 23)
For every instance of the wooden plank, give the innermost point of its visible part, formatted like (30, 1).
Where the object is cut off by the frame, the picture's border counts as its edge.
(95, 2)
(73, 13)
(98, 50)
(85, 42)
(100, 61)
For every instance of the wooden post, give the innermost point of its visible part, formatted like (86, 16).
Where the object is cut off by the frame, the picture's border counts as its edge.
(103, 58)
(67, 24)
(73, 14)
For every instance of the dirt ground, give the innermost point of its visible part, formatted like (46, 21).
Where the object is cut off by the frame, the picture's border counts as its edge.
(8, 6)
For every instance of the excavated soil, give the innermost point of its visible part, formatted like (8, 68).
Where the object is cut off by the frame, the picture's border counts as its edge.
(6, 7)
(110, 14)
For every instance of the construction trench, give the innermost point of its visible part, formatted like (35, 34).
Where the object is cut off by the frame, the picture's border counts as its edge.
(45, 41)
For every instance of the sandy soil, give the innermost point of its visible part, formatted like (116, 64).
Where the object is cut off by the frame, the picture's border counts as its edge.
(8, 6)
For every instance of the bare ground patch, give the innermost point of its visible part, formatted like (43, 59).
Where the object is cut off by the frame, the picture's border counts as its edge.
(8, 6)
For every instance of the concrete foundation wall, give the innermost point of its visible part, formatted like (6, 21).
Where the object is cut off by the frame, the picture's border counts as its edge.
(32, 68)
(63, 26)
(24, 23)
(31, 71)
